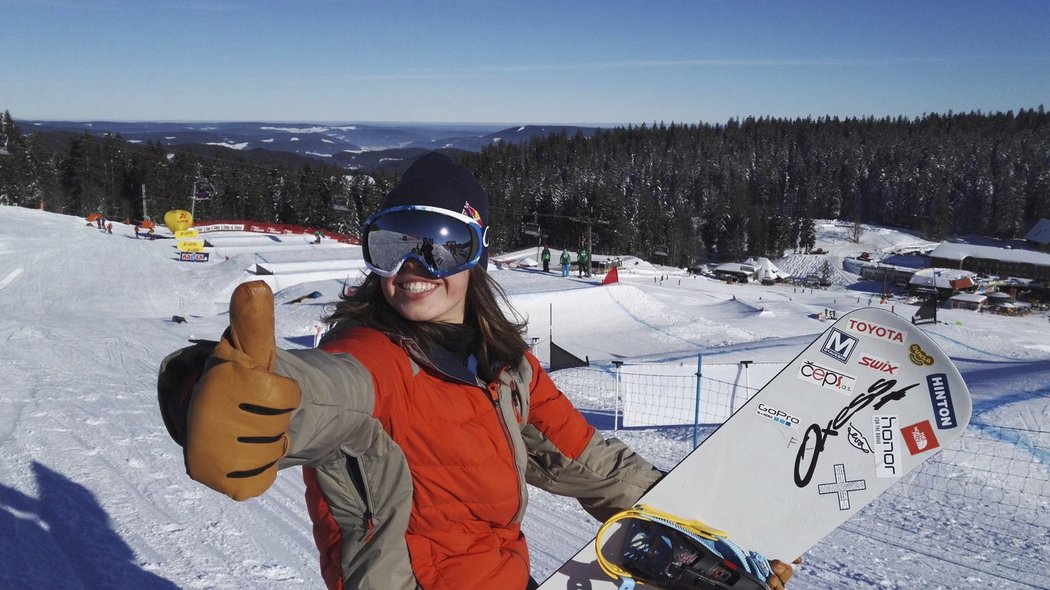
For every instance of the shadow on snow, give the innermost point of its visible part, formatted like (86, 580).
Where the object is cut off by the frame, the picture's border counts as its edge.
(64, 539)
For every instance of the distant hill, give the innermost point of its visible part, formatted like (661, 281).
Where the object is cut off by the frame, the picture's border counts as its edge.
(358, 146)
(392, 160)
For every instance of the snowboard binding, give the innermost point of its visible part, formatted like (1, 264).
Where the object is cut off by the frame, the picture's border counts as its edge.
(663, 551)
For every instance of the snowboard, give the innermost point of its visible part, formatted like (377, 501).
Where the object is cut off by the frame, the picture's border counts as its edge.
(868, 401)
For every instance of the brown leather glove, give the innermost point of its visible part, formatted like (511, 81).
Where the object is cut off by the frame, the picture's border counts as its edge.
(237, 428)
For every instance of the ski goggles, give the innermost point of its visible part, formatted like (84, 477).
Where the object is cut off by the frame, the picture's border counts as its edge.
(444, 242)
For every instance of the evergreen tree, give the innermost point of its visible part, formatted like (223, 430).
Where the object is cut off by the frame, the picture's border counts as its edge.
(807, 239)
(724, 191)
(76, 177)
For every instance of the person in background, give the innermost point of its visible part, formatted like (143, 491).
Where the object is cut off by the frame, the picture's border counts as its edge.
(545, 256)
(419, 420)
(583, 262)
(565, 260)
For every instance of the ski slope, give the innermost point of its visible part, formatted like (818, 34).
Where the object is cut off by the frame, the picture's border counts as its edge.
(93, 493)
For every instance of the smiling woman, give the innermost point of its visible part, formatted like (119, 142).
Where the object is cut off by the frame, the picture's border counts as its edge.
(419, 420)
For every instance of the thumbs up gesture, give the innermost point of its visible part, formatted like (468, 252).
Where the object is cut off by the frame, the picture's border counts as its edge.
(237, 427)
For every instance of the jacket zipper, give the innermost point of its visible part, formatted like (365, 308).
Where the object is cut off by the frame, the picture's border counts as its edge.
(493, 394)
(546, 472)
(493, 390)
(357, 479)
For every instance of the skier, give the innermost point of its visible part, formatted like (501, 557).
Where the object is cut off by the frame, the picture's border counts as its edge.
(582, 261)
(565, 259)
(545, 256)
(419, 420)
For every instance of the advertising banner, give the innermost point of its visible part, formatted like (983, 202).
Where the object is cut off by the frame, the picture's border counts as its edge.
(193, 257)
(191, 246)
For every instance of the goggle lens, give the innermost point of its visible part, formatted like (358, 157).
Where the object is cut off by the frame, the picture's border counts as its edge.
(443, 242)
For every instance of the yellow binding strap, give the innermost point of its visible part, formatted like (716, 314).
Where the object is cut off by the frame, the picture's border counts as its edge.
(648, 513)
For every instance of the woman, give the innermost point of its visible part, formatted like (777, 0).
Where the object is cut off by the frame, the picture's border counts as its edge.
(419, 420)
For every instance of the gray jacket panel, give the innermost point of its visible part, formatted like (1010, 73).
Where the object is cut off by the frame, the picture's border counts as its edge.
(336, 408)
(608, 476)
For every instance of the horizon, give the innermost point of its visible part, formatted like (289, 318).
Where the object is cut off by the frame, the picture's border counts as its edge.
(504, 124)
(607, 64)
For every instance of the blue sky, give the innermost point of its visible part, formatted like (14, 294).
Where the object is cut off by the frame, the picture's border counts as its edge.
(573, 61)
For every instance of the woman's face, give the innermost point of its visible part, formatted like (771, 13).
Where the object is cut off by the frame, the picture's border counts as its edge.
(419, 297)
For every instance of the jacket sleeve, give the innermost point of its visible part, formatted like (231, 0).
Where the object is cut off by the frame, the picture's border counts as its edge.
(569, 457)
(338, 399)
(337, 405)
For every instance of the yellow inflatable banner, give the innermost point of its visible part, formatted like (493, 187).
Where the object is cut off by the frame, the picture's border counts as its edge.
(178, 220)
(191, 246)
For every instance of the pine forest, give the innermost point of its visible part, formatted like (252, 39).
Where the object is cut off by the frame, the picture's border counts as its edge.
(682, 193)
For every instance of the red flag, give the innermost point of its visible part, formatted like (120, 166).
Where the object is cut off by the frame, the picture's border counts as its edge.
(611, 277)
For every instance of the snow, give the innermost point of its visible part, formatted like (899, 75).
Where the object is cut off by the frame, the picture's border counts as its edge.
(315, 129)
(836, 238)
(1040, 232)
(93, 492)
(938, 277)
(970, 297)
(233, 146)
(957, 251)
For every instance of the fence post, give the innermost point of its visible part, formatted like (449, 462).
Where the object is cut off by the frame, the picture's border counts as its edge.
(696, 409)
(616, 410)
(747, 387)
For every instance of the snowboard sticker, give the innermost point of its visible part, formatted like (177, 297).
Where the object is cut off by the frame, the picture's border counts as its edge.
(868, 401)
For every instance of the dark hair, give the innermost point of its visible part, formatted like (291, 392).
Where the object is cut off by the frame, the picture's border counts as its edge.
(500, 339)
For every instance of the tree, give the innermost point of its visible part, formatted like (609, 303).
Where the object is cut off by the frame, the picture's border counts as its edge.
(856, 232)
(807, 238)
(76, 177)
(747, 186)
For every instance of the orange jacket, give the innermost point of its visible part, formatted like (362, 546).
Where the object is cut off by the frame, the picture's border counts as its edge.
(416, 473)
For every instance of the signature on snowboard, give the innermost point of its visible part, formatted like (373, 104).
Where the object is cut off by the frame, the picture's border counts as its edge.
(880, 393)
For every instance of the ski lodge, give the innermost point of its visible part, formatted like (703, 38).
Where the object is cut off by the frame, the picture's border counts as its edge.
(1023, 259)
(1004, 261)
(735, 271)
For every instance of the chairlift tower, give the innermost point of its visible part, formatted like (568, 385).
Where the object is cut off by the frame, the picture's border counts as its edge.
(204, 184)
(590, 222)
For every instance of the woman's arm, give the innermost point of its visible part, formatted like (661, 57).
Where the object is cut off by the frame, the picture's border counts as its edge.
(336, 409)
(570, 458)
(241, 409)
